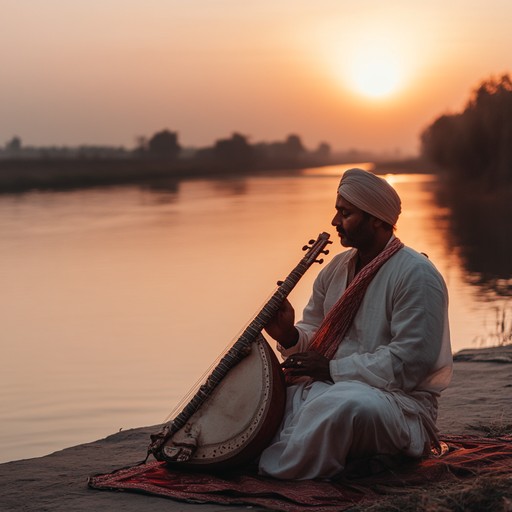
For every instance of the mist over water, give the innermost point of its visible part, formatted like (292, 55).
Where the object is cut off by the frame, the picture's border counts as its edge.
(116, 301)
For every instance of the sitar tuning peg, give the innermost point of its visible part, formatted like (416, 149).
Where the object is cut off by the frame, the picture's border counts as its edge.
(306, 247)
(311, 241)
(319, 261)
(325, 252)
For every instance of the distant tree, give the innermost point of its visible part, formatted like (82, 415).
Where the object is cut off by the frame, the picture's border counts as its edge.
(281, 154)
(293, 146)
(14, 145)
(476, 144)
(323, 151)
(234, 152)
(164, 144)
(141, 144)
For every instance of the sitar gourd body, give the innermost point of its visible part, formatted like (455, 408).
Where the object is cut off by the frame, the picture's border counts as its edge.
(236, 422)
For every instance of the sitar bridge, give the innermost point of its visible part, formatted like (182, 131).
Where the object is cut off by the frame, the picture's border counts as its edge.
(183, 445)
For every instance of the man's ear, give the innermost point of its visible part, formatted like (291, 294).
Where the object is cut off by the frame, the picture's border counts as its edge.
(377, 223)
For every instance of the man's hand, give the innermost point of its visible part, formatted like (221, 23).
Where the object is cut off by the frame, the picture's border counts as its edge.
(309, 364)
(281, 327)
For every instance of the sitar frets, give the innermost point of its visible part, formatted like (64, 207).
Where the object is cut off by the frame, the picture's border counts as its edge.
(242, 346)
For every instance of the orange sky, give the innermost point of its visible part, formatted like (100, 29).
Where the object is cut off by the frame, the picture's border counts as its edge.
(104, 72)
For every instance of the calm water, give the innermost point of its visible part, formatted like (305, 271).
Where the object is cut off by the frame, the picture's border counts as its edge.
(115, 301)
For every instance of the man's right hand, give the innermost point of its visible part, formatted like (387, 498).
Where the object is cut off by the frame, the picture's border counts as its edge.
(282, 327)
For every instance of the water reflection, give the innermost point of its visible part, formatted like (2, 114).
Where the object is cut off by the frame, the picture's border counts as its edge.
(164, 190)
(479, 228)
(232, 187)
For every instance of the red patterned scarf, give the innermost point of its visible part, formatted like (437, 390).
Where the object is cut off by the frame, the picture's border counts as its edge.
(340, 317)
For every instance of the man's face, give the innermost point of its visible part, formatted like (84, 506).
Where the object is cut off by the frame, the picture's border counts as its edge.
(354, 226)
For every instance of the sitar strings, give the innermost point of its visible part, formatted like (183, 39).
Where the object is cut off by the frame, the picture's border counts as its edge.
(202, 379)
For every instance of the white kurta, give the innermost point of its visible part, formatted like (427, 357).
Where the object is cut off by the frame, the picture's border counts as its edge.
(388, 371)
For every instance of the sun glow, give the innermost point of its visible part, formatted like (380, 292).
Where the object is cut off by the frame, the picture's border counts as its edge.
(372, 61)
(375, 72)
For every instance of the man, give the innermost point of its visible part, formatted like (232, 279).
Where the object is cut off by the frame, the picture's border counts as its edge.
(372, 352)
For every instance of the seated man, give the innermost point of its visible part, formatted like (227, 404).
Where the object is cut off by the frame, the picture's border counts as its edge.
(372, 352)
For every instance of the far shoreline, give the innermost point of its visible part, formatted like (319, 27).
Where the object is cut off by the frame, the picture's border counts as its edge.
(25, 175)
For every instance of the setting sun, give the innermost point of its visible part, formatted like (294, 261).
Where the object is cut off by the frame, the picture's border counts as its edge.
(375, 73)
(372, 62)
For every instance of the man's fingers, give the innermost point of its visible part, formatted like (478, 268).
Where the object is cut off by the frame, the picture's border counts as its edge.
(294, 362)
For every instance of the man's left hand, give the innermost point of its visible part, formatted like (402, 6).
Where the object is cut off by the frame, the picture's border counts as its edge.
(309, 364)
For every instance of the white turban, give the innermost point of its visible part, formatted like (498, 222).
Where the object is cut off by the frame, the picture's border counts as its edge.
(371, 194)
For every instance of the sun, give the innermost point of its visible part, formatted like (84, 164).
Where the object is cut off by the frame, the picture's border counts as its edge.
(373, 61)
(375, 72)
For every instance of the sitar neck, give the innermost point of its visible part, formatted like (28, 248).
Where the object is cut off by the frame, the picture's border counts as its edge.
(242, 346)
(269, 310)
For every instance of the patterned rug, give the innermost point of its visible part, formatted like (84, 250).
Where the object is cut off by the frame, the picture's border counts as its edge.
(462, 457)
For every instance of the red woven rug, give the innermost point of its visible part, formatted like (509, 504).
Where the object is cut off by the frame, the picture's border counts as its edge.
(465, 456)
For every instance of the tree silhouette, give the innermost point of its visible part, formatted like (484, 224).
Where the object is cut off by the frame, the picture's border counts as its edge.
(477, 143)
(164, 144)
(293, 146)
(474, 148)
(14, 145)
(233, 152)
(323, 151)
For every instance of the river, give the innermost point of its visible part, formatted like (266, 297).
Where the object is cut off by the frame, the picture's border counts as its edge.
(115, 301)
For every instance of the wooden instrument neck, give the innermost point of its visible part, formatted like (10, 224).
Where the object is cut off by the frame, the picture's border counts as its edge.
(242, 346)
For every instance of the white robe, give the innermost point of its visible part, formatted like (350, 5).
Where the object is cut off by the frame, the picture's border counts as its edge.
(388, 371)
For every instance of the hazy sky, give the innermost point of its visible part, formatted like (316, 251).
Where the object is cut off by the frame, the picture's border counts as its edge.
(367, 74)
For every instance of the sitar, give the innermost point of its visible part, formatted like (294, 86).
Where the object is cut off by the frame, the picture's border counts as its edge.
(236, 412)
